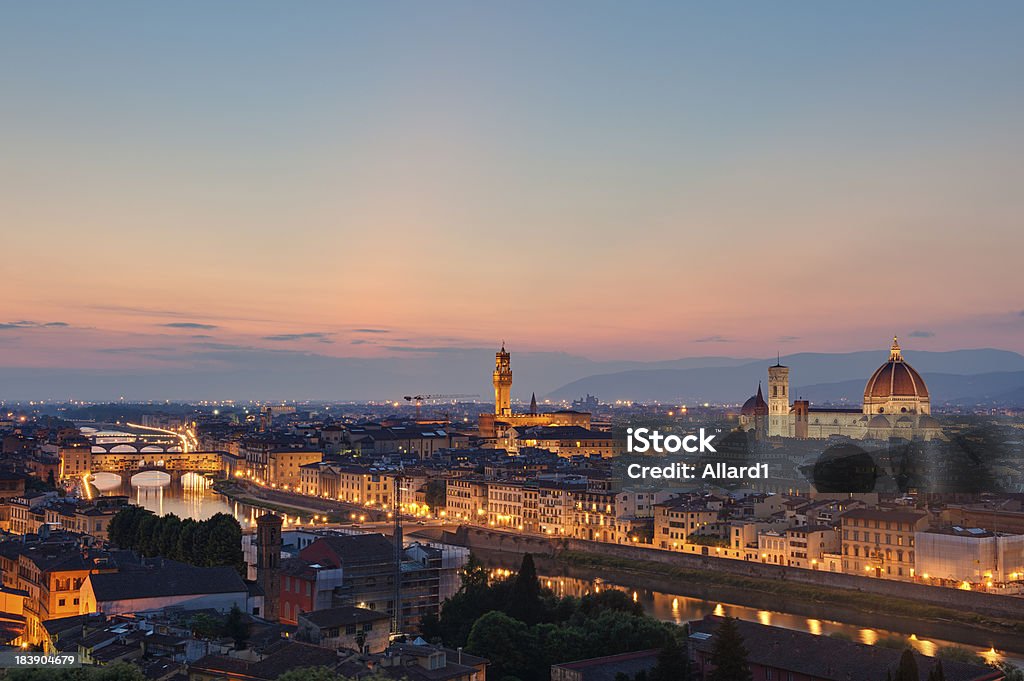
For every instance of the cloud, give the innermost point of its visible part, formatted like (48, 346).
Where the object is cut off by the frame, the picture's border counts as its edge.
(371, 331)
(26, 324)
(921, 334)
(788, 339)
(361, 341)
(713, 339)
(135, 350)
(126, 309)
(200, 335)
(224, 346)
(190, 325)
(319, 336)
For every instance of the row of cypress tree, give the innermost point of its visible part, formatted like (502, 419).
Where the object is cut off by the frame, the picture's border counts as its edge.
(205, 543)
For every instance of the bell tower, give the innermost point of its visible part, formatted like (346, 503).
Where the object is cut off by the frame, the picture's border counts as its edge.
(502, 383)
(268, 562)
(778, 400)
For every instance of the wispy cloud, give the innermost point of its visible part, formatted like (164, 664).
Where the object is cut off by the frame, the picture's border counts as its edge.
(319, 336)
(713, 339)
(371, 331)
(223, 346)
(190, 325)
(921, 334)
(135, 350)
(153, 312)
(26, 324)
(788, 339)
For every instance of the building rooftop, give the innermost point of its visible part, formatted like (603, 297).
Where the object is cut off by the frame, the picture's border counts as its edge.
(827, 658)
(168, 579)
(342, 616)
(607, 668)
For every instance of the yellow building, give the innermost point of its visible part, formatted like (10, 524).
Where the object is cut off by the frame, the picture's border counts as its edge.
(284, 467)
(881, 542)
(466, 499)
(505, 504)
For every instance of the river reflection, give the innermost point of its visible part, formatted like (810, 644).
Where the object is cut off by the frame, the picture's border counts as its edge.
(680, 609)
(190, 496)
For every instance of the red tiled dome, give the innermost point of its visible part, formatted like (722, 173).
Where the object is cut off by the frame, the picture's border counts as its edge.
(896, 379)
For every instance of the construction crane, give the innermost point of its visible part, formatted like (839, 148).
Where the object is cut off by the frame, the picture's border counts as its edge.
(418, 399)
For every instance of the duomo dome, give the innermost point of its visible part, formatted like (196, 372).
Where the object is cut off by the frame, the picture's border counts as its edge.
(896, 388)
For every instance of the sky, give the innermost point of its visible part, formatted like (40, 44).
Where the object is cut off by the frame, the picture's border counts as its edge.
(617, 180)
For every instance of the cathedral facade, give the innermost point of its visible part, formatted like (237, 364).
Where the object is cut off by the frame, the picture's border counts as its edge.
(896, 405)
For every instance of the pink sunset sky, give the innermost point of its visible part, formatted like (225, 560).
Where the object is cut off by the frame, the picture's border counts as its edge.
(339, 183)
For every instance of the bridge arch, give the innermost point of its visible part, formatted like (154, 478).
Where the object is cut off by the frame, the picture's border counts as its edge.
(151, 478)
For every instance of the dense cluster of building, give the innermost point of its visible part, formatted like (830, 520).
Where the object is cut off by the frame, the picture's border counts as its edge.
(335, 596)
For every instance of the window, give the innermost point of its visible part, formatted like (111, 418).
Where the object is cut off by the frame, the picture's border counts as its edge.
(61, 602)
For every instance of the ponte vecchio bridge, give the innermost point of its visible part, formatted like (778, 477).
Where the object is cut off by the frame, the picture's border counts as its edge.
(127, 454)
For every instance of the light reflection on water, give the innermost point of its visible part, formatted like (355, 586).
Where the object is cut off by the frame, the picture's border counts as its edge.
(679, 609)
(190, 497)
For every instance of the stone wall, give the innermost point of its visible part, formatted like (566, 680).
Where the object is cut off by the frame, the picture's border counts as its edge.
(992, 605)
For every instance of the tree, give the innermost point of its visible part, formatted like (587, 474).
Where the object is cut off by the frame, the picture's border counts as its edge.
(167, 541)
(430, 627)
(728, 654)
(236, 627)
(224, 545)
(907, 669)
(206, 626)
(436, 494)
(473, 574)
(146, 535)
(937, 674)
(183, 546)
(524, 600)
(673, 662)
(508, 644)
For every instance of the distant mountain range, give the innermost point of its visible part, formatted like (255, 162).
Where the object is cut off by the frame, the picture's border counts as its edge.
(967, 376)
(964, 376)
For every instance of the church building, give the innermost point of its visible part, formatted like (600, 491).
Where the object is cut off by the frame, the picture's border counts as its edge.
(896, 405)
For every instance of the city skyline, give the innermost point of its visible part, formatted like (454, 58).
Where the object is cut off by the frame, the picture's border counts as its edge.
(617, 184)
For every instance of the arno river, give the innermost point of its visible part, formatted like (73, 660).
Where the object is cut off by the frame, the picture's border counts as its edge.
(194, 498)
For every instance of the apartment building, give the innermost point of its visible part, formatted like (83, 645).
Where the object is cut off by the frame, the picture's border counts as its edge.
(881, 542)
